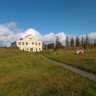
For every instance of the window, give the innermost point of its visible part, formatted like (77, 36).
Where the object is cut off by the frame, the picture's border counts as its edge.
(29, 43)
(19, 43)
(39, 48)
(23, 49)
(39, 43)
(22, 43)
(32, 43)
(30, 38)
(31, 49)
(26, 43)
(27, 49)
(36, 49)
(36, 43)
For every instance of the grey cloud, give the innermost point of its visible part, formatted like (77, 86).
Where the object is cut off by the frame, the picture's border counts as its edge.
(13, 26)
(6, 35)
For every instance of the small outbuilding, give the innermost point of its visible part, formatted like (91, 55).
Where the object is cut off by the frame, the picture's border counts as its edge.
(80, 52)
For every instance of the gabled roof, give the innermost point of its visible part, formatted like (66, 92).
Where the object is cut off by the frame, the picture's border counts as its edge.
(26, 37)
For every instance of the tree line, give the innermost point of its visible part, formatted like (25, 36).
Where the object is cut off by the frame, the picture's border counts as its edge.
(82, 42)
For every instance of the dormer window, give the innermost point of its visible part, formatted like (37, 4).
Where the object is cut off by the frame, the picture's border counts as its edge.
(30, 38)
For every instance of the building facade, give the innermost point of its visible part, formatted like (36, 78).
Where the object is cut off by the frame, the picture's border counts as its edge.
(29, 43)
(13, 44)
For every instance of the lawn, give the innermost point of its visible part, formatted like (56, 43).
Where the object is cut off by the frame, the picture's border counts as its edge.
(27, 74)
(85, 62)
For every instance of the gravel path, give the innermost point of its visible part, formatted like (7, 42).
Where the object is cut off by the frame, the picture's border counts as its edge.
(81, 72)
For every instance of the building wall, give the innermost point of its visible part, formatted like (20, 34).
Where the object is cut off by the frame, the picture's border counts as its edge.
(13, 44)
(30, 45)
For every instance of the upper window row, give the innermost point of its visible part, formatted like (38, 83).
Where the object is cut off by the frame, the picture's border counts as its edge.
(30, 38)
(30, 43)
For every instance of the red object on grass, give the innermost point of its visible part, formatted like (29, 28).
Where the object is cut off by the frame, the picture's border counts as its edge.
(80, 52)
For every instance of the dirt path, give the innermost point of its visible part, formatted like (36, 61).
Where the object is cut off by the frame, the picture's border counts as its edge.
(82, 73)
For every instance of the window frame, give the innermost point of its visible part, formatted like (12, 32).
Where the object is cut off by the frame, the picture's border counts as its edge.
(32, 43)
(23, 43)
(39, 43)
(29, 43)
(35, 43)
(27, 49)
(19, 43)
(31, 50)
(26, 43)
(30, 38)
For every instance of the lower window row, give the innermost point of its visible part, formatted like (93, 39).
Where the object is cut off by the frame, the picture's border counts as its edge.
(31, 49)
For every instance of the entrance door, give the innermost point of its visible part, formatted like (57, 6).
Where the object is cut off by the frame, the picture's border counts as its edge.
(23, 49)
(36, 49)
(31, 49)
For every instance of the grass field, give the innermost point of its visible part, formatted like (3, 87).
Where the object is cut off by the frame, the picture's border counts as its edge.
(85, 62)
(27, 74)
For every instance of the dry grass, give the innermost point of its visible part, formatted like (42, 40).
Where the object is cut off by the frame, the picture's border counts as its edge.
(85, 62)
(27, 74)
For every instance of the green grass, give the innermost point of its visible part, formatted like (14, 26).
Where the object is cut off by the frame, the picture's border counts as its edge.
(85, 62)
(27, 74)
